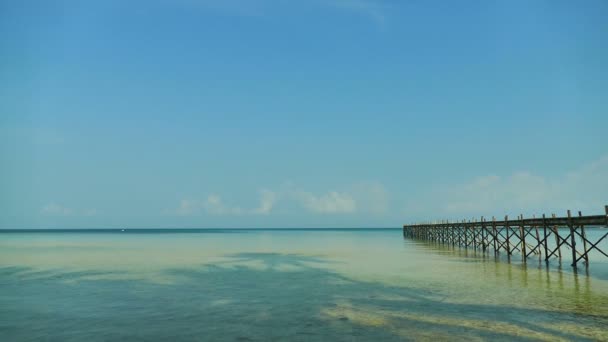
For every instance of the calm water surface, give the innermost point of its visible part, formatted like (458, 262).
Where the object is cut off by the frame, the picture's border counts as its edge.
(306, 285)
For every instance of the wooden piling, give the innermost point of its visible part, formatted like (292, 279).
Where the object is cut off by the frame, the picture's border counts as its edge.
(522, 236)
(479, 235)
(474, 235)
(545, 238)
(494, 233)
(483, 235)
(466, 236)
(538, 241)
(557, 242)
(572, 240)
(584, 238)
(508, 229)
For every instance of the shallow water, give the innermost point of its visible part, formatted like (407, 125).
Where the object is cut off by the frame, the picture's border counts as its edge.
(248, 285)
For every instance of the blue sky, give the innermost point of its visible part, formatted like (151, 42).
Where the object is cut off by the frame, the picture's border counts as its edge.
(321, 113)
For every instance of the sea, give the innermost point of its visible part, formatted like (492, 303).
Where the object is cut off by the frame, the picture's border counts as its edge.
(287, 285)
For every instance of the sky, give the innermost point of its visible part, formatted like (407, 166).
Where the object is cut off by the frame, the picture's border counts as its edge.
(319, 113)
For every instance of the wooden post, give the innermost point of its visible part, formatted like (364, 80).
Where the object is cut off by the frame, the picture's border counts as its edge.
(483, 234)
(474, 235)
(586, 256)
(448, 232)
(507, 229)
(537, 237)
(463, 233)
(466, 237)
(545, 237)
(522, 233)
(494, 232)
(459, 235)
(572, 240)
(557, 242)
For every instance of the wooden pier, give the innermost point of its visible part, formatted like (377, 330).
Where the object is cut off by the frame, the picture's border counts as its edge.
(531, 236)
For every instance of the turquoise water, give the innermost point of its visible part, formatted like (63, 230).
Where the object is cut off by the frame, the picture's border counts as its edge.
(304, 285)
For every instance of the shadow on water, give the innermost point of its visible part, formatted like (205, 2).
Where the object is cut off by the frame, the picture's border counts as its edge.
(235, 301)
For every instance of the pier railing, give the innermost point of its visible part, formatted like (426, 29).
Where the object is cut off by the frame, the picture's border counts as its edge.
(526, 236)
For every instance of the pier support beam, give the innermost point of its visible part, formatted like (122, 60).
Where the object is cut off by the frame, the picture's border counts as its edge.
(504, 235)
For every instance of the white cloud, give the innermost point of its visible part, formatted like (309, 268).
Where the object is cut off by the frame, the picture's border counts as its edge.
(187, 208)
(267, 201)
(54, 209)
(585, 189)
(364, 197)
(330, 203)
(520, 190)
(214, 205)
